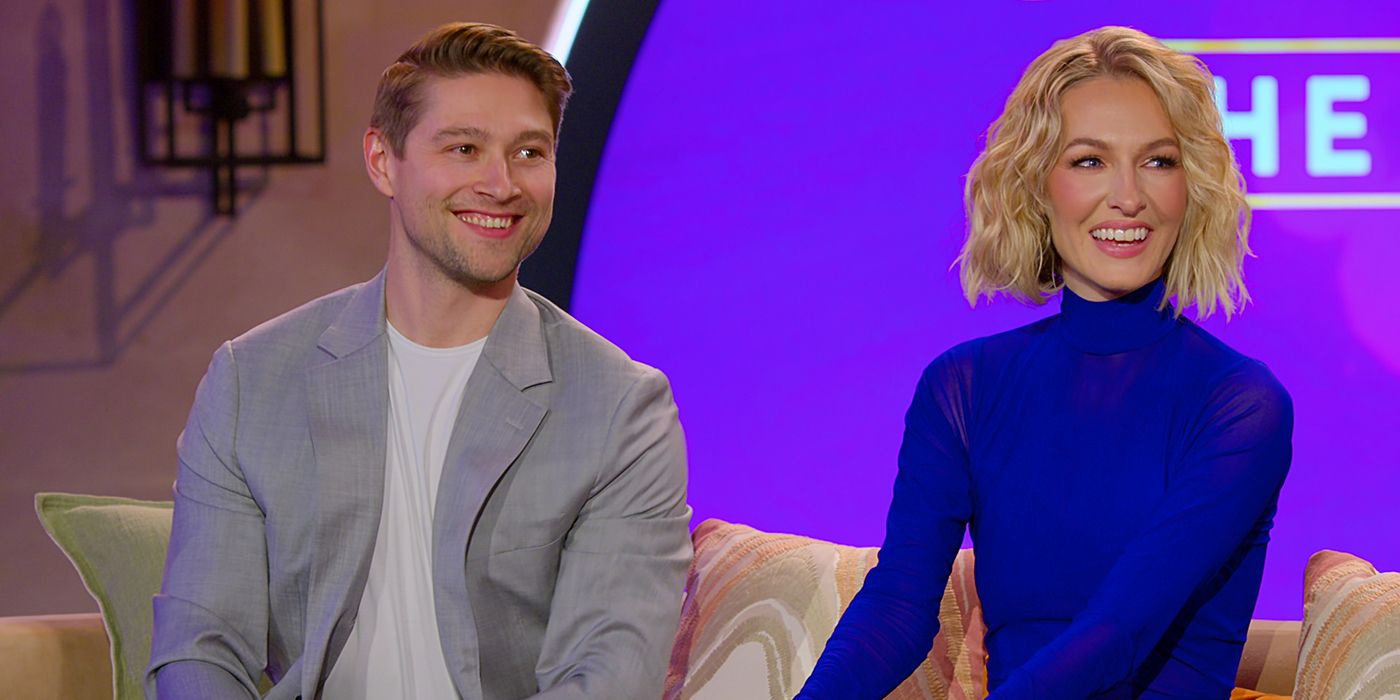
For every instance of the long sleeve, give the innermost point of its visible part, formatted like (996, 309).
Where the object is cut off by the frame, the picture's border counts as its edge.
(618, 597)
(210, 637)
(889, 626)
(1222, 495)
(1119, 469)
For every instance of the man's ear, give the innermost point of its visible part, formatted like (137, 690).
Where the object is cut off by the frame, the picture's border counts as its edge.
(379, 162)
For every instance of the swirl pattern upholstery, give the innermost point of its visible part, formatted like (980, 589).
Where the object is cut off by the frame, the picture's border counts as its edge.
(1351, 630)
(760, 607)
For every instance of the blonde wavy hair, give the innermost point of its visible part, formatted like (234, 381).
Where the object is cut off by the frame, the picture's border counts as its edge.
(1008, 247)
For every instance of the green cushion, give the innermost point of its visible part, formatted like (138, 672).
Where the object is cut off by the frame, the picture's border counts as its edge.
(118, 547)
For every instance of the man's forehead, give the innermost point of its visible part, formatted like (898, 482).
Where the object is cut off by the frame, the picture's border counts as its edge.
(504, 90)
(482, 105)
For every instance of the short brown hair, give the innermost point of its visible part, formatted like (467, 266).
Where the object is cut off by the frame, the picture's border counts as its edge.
(1008, 246)
(463, 48)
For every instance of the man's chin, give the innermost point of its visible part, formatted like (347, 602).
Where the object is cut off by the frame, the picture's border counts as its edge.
(484, 280)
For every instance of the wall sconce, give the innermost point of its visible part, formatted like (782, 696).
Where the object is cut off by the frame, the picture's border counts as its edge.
(207, 66)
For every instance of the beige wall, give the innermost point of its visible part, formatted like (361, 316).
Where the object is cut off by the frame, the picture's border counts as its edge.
(116, 285)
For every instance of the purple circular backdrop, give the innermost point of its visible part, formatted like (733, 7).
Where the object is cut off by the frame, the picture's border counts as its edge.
(781, 200)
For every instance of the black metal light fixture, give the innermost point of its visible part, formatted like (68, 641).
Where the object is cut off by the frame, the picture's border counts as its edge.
(229, 83)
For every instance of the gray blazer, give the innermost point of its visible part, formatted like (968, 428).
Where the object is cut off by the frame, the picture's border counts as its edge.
(560, 531)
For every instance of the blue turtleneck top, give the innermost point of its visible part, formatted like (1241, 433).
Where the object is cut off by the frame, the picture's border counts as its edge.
(1118, 469)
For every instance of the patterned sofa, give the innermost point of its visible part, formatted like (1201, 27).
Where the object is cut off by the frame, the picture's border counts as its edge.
(759, 608)
(68, 657)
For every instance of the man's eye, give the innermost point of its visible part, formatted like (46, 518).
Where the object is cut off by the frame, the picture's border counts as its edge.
(530, 153)
(465, 149)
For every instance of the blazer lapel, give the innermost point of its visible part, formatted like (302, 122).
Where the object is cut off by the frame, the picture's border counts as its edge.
(495, 422)
(348, 400)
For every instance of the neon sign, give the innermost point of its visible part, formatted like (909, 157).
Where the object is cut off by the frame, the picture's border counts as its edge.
(1307, 117)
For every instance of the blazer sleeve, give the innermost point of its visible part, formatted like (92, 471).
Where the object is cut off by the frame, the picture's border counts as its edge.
(890, 624)
(617, 600)
(210, 634)
(1221, 494)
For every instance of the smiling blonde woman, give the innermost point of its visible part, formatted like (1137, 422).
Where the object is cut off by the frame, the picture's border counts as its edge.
(1117, 466)
(1007, 248)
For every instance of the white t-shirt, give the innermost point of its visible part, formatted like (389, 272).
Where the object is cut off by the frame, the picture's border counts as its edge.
(394, 650)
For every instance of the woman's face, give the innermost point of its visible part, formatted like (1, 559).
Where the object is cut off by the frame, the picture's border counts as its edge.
(1117, 191)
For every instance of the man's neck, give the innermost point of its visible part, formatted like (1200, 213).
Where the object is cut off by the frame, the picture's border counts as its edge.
(438, 312)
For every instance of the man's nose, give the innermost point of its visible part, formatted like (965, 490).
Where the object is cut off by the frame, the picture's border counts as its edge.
(495, 180)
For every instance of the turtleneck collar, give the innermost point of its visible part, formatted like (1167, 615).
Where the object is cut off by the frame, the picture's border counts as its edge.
(1129, 322)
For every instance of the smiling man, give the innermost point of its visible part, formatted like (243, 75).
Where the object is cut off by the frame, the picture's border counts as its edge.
(436, 483)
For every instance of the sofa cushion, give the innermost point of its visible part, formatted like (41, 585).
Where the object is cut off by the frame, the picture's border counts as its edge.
(55, 656)
(1351, 630)
(1270, 658)
(118, 547)
(760, 607)
(1246, 694)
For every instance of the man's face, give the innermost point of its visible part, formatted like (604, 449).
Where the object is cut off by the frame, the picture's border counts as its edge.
(473, 191)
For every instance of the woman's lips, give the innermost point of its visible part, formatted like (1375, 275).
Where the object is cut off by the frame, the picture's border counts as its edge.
(1125, 240)
(1121, 250)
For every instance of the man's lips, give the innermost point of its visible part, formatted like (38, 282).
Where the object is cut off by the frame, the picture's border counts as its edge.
(488, 224)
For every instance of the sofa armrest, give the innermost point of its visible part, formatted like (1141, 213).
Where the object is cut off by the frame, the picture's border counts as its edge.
(1270, 659)
(55, 656)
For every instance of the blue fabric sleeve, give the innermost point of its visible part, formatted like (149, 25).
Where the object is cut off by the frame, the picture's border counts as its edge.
(889, 626)
(1225, 486)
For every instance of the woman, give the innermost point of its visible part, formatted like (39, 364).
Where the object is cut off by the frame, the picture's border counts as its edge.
(1118, 466)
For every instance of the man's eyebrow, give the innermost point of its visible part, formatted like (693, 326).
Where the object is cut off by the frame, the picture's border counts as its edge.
(1099, 144)
(466, 132)
(535, 135)
(473, 133)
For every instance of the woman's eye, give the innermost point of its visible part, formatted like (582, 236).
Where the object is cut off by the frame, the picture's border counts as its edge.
(1162, 162)
(1086, 162)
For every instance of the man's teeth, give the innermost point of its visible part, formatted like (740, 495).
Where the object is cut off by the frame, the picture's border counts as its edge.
(486, 221)
(1125, 235)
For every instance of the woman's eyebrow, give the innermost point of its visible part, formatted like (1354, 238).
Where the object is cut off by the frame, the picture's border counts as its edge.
(1102, 145)
(1086, 141)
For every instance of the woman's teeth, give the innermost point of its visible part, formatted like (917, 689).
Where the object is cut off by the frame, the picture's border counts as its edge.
(1122, 235)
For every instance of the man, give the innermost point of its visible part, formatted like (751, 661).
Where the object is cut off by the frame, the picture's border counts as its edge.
(433, 484)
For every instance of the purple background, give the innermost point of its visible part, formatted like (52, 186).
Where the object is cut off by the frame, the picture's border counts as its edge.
(781, 200)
